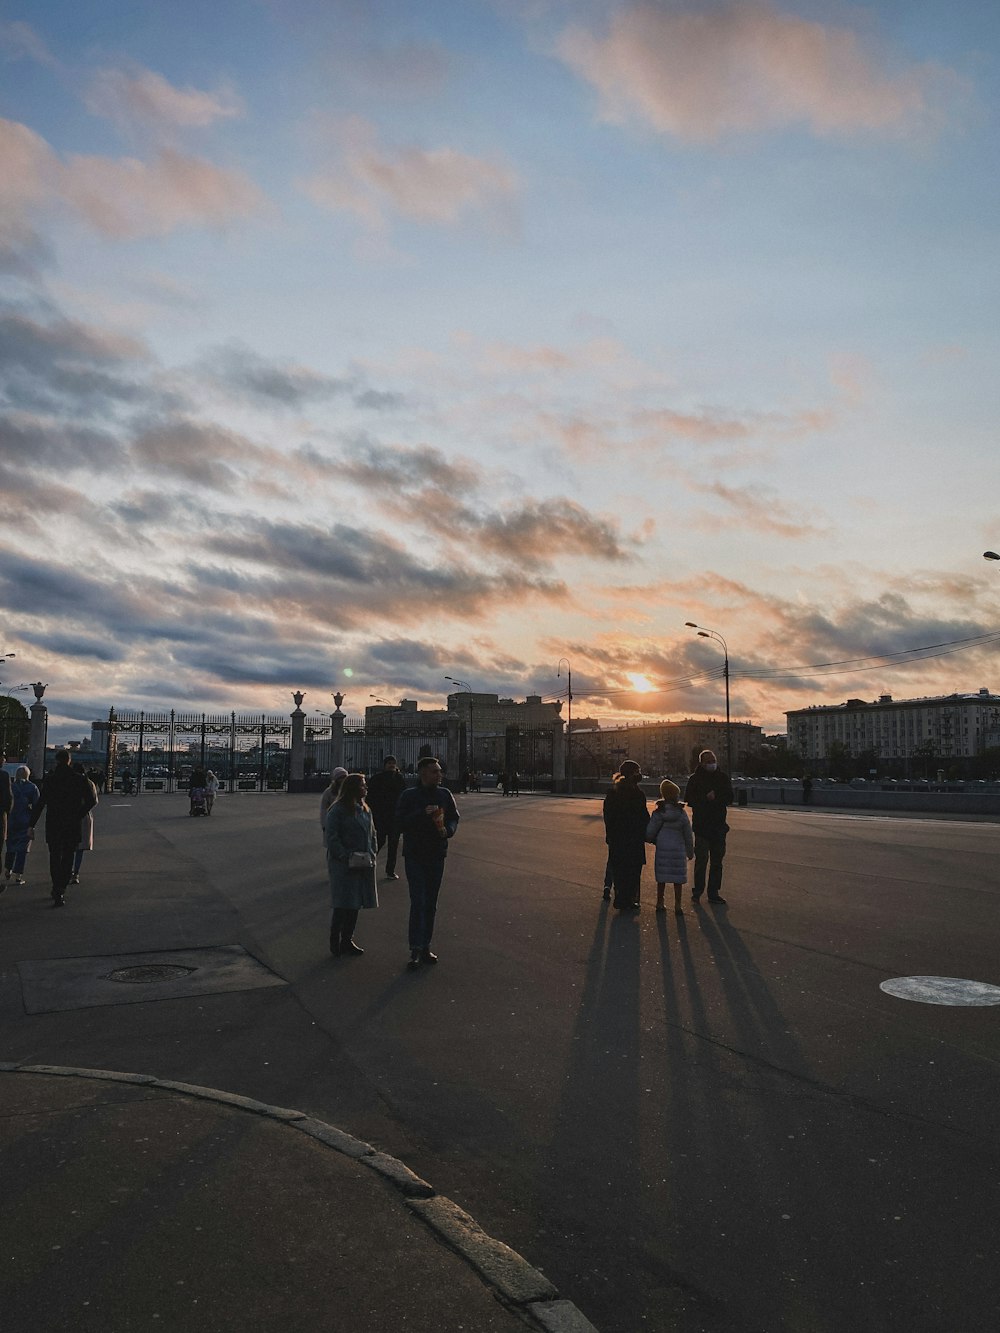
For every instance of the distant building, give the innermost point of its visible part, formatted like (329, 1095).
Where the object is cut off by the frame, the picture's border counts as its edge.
(660, 747)
(506, 734)
(948, 729)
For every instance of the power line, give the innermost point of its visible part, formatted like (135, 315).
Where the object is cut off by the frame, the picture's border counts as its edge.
(847, 666)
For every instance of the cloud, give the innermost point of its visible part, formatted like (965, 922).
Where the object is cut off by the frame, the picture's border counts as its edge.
(65, 365)
(21, 42)
(126, 198)
(439, 186)
(28, 503)
(197, 452)
(120, 197)
(125, 96)
(346, 576)
(701, 75)
(27, 441)
(759, 509)
(245, 373)
(396, 468)
(539, 532)
(421, 486)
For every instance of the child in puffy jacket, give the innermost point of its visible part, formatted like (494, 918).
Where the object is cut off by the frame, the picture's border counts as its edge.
(669, 830)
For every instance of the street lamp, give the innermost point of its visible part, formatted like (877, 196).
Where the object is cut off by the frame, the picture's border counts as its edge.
(464, 685)
(393, 708)
(990, 555)
(714, 634)
(569, 722)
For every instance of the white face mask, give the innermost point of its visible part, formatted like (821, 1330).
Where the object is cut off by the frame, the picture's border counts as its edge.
(710, 768)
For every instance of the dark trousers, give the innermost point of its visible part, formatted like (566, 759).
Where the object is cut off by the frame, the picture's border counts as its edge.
(709, 854)
(424, 881)
(626, 884)
(61, 853)
(342, 925)
(384, 836)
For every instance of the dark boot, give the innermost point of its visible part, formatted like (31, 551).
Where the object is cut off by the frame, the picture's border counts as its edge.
(347, 945)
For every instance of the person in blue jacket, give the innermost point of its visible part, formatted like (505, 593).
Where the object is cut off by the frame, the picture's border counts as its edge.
(427, 817)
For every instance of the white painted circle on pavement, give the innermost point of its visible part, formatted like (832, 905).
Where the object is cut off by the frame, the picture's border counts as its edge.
(942, 990)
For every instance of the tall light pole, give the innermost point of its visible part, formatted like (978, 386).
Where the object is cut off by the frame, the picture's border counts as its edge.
(393, 708)
(714, 634)
(464, 685)
(987, 555)
(569, 720)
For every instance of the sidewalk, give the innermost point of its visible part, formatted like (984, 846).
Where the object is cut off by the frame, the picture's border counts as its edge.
(132, 1203)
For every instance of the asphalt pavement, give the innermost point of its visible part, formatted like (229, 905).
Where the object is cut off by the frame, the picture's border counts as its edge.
(714, 1122)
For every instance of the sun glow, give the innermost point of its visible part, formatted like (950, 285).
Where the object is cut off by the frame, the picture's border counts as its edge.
(640, 683)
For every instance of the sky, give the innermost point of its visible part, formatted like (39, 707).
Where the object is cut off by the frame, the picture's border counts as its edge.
(350, 345)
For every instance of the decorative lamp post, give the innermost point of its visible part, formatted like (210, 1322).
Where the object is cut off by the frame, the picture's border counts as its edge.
(569, 721)
(714, 634)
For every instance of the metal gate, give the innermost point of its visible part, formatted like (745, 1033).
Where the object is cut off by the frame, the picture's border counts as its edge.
(159, 751)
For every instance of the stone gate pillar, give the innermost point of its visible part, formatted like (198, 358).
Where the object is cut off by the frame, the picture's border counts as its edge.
(337, 734)
(39, 733)
(297, 758)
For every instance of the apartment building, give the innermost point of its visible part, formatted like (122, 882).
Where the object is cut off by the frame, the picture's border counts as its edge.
(947, 728)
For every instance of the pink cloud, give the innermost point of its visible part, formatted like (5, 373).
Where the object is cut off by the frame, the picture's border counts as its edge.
(141, 94)
(121, 197)
(748, 67)
(125, 197)
(440, 186)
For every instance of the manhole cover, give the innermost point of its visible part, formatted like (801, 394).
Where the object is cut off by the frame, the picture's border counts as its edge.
(149, 972)
(942, 990)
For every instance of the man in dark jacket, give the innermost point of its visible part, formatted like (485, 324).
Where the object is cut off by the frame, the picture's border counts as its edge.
(709, 793)
(66, 797)
(384, 790)
(626, 818)
(427, 817)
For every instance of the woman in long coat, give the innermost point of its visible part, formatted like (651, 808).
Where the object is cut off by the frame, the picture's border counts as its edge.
(86, 843)
(626, 818)
(349, 829)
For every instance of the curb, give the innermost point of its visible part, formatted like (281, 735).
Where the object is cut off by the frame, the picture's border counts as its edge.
(508, 1274)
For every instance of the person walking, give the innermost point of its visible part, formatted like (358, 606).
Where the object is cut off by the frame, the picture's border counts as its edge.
(427, 817)
(350, 861)
(86, 843)
(709, 793)
(66, 797)
(384, 792)
(669, 830)
(211, 790)
(24, 799)
(626, 818)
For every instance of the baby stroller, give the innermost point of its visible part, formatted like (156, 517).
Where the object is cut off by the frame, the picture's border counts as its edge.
(199, 805)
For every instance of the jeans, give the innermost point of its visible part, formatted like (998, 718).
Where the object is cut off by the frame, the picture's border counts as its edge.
(709, 853)
(424, 881)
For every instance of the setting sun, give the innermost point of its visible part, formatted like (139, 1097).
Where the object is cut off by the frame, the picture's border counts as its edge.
(640, 683)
